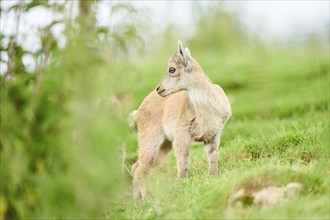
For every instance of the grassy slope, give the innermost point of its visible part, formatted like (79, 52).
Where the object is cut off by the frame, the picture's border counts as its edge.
(279, 130)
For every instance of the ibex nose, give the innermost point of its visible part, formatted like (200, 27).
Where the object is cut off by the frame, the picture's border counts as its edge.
(157, 89)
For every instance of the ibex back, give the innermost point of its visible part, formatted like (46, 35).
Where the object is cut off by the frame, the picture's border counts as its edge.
(185, 106)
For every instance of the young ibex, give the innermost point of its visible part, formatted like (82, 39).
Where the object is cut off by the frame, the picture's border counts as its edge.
(185, 106)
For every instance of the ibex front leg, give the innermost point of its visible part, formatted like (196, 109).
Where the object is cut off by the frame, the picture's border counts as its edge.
(181, 146)
(211, 150)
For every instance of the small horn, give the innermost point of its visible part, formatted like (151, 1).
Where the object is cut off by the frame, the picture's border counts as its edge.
(180, 48)
(182, 52)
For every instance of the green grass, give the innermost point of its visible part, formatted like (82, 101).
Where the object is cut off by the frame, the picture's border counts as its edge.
(279, 130)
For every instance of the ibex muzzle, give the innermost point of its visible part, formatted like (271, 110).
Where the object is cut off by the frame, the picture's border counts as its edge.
(160, 90)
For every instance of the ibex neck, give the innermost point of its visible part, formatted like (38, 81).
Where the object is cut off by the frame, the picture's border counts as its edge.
(204, 100)
(200, 92)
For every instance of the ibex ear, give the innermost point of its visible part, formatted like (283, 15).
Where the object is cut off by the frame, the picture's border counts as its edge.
(185, 53)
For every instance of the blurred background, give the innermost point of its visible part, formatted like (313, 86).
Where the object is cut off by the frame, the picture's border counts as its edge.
(72, 71)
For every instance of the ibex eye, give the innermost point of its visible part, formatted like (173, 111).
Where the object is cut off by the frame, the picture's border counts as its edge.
(172, 70)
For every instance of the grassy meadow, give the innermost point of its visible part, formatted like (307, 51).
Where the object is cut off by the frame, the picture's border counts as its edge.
(279, 131)
(63, 135)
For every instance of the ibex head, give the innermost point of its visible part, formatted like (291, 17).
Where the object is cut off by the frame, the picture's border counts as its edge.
(179, 72)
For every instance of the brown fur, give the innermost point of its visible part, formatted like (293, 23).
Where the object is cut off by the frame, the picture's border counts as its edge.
(185, 106)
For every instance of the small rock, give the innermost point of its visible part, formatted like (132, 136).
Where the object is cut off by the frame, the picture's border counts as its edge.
(269, 195)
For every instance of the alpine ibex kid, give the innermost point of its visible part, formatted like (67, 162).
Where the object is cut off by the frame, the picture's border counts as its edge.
(185, 106)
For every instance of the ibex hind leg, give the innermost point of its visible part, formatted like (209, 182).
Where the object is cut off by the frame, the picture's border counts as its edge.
(148, 157)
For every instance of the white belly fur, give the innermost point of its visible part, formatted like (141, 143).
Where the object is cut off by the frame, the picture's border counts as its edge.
(169, 129)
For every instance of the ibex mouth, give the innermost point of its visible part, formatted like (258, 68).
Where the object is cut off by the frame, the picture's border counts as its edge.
(161, 93)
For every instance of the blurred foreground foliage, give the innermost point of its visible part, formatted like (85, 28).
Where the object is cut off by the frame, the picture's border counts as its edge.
(55, 119)
(64, 133)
